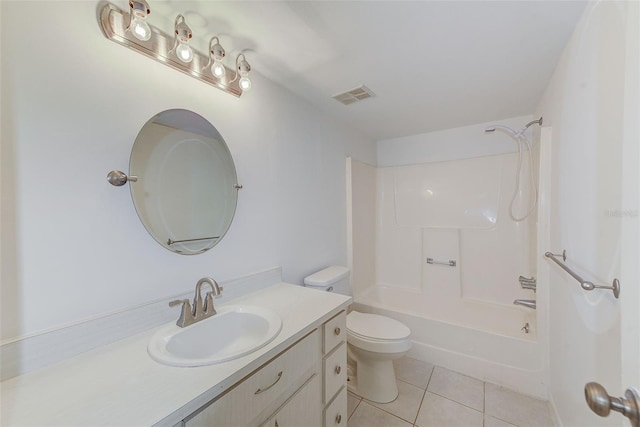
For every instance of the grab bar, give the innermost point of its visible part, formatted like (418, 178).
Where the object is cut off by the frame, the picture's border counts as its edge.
(584, 284)
(171, 242)
(450, 263)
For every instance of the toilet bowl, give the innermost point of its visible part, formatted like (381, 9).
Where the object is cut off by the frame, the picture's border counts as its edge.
(373, 342)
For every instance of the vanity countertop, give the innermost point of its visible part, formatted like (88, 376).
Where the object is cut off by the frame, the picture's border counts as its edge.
(119, 384)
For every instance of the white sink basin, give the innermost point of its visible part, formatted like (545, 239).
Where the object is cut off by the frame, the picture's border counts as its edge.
(234, 332)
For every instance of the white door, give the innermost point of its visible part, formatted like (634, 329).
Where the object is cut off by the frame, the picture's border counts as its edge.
(592, 200)
(630, 250)
(629, 216)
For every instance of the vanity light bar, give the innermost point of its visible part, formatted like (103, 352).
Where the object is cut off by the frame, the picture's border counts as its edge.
(115, 24)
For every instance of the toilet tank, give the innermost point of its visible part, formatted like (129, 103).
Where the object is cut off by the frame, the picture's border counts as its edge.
(331, 279)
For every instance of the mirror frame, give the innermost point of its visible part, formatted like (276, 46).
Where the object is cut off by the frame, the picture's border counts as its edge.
(142, 156)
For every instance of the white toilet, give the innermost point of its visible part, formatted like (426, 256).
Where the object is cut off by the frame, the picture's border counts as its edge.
(373, 341)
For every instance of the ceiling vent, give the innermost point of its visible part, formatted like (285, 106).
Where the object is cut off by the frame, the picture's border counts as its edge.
(354, 95)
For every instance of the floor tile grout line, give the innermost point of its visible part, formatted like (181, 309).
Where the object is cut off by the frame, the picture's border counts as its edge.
(390, 413)
(455, 401)
(412, 385)
(420, 407)
(505, 421)
(484, 402)
(387, 412)
(423, 395)
(354, 409)
(374, 404)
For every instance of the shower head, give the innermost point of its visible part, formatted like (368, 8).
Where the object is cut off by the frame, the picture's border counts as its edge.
(533, 122)
(502, 128)
(512, 132)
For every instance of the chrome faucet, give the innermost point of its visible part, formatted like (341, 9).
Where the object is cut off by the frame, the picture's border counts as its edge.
(526, 303)
(200, 310)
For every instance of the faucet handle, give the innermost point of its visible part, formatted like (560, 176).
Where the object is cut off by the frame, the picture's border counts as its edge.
(186, 316)
(178, 301)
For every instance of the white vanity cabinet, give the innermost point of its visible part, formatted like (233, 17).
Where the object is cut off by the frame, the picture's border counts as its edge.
(305, 385)
(302, 409)
(334, 369)
(263, 392)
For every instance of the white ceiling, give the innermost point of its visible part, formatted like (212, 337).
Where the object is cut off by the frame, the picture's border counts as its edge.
(432, 64)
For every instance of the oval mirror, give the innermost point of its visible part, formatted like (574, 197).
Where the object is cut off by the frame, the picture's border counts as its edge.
(186, 189)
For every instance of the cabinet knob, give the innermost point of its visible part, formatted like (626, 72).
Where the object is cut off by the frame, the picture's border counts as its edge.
(336, 331)
(338, 419)
(338, 370)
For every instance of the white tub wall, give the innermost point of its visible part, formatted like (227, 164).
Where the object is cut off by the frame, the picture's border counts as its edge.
(398, 249)
(361, 217)
(489, 261)
(492, 259)
(72, 245)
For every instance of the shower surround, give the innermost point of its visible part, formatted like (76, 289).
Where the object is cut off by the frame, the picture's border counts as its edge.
(461, 316)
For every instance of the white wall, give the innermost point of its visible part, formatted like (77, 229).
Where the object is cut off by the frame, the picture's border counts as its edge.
(72, 105)
(451, 144)
(584, 104)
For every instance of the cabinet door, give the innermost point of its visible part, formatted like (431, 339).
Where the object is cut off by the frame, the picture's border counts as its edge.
(304, 409)
(335, 372)
(265, 387)
(336, 413)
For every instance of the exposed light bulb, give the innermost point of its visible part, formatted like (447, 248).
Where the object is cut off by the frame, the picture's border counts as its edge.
(218, 70)
(242, 69)
(245, 84)
(184, 52)
(140, 29)
(183, 35)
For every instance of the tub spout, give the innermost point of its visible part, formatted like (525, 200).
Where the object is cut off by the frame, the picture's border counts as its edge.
(526, 303)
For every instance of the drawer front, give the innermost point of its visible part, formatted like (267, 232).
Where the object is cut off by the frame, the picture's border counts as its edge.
(335, 372)
(303, 409)
(244, 402)
(334, 332)
(336, 413)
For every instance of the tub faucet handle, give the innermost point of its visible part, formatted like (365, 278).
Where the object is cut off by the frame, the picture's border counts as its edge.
(527, 283)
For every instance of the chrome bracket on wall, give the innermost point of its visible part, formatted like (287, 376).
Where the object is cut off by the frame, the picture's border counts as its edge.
(584, 284)
(119, 178)
(113, 22)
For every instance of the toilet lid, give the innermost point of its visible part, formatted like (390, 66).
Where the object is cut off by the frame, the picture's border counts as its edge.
(376, 327)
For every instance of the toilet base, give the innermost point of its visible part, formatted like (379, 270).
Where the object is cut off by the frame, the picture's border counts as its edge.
(375, 381)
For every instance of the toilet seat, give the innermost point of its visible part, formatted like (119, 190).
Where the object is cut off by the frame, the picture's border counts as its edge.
(377, 333)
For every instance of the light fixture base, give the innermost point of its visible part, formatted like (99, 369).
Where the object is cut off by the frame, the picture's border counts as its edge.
(114, 21)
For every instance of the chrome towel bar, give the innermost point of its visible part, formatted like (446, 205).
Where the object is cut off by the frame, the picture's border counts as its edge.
(584, 284)
(450, 263)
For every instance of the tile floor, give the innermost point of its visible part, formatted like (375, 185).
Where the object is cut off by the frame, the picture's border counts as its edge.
(436, 397)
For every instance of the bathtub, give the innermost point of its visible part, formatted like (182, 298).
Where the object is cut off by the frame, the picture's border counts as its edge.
(478, 339)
